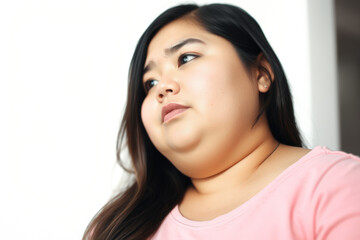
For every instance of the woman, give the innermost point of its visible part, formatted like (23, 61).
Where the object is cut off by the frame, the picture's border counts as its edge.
(214, 144)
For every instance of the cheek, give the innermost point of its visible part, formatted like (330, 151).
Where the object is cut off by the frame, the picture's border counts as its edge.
(204, 84)
(144, 114)
(223, 92)
(211, 84)
(151, 119)
(147, 116)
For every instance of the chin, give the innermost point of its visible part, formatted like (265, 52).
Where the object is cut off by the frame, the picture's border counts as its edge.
(183, 140)
(183, 145)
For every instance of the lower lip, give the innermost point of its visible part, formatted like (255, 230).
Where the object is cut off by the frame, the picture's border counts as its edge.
(173, 114)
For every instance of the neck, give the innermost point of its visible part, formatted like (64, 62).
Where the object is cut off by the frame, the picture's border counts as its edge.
(240, 174)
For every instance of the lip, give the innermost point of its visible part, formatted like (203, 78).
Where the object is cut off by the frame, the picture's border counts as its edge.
(171, 110)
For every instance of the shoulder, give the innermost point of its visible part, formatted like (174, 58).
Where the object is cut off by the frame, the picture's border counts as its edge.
(323, 159)
(323, 172)
(327, 153)
(335, 195)
(316, 164)
(332, 178)
(326, 168)
(332, 162)
(338, 172)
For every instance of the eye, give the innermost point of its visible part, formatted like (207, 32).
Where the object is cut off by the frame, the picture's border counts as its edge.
(185, 58)
(149, 84)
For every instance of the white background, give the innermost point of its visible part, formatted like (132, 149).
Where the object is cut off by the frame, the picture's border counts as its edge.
(63, 76)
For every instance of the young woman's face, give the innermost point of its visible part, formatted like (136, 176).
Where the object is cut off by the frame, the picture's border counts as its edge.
(201, 102)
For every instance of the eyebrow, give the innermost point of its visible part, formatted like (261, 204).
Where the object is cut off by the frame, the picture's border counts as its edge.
(172, 50)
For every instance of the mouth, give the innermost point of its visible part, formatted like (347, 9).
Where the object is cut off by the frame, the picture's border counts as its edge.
(171, 110)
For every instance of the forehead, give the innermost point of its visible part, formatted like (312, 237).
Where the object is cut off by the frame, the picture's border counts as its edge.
(175, 32)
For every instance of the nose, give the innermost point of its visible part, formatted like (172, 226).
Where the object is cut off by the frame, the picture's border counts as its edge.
(167, 86)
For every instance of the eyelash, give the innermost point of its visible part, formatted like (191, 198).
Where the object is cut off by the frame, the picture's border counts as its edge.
(150, 83)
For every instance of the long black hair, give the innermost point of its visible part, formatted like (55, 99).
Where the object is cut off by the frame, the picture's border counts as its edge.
(137, 212)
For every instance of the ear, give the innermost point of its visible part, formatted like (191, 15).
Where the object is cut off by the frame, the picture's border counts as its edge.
(264, 73)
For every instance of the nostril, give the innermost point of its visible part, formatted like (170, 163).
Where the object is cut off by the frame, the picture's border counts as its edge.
(169, 90)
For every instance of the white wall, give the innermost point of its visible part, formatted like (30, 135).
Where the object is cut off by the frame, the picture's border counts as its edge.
(63, 73)
(323, 69)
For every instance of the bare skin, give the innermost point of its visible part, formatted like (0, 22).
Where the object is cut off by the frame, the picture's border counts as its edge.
(214, 141)
(218, 195)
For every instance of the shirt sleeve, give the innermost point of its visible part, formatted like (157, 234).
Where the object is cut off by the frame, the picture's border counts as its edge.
(337, 201)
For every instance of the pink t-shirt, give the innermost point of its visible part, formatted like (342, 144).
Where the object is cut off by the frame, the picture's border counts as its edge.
(318, 197)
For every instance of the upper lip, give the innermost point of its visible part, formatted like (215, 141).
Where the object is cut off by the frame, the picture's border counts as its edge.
(170, 107)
